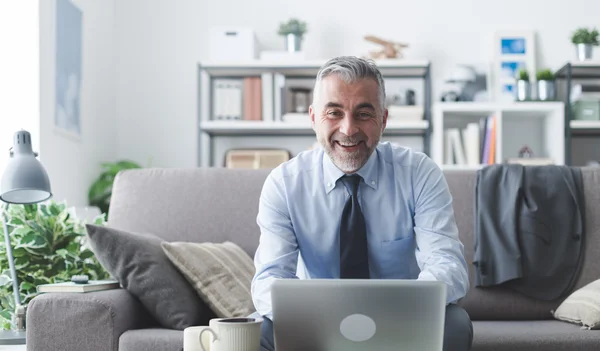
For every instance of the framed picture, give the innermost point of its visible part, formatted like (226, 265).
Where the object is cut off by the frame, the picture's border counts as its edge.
(67, 116)
(512, 51)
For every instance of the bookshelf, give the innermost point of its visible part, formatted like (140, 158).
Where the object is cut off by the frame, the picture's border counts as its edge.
(464, 126)
(252, 104)
(582, 137)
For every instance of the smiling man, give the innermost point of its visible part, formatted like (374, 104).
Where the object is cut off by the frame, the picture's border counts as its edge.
(357, 207)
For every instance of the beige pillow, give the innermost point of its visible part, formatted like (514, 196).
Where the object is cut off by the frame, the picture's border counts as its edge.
(582, 307)
(221, 274)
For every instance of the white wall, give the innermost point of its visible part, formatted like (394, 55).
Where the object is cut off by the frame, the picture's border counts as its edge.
(159, 43)
(73, 163)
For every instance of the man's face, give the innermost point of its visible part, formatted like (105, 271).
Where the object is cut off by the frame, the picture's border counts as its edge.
(348, 120)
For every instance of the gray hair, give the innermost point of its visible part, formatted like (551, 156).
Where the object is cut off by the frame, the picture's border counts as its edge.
(350, 69)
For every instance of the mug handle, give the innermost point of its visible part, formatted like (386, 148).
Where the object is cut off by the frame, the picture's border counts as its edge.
(202, 345)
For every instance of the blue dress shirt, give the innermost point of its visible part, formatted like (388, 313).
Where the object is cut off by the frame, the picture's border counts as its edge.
(407, 206)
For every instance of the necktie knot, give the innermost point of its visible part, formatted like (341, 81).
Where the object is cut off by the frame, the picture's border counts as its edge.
(352, 181)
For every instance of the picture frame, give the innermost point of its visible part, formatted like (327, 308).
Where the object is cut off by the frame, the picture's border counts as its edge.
(69, 66)
(512, 50)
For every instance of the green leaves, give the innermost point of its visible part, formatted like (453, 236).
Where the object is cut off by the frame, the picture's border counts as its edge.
(523, 74)
(545, 74)
(101, 190)
(585, 36)
(47, 244)
(292, 26)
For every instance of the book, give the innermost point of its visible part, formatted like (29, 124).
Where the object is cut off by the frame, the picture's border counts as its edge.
(92, 285)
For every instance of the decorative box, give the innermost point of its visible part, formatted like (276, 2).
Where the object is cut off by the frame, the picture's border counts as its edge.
(232, 44)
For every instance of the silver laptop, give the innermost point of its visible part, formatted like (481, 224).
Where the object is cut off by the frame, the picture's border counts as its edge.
(358, 315)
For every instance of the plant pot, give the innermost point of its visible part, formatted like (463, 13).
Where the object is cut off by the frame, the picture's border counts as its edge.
(584, 52)
(523, 90)
(545, 90)
(293, 42)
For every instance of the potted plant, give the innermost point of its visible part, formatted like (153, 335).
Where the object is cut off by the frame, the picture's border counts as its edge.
(293, 31)
(523, 85)
(545, 85)
(584, 40)
(101, 189)
(48, 247)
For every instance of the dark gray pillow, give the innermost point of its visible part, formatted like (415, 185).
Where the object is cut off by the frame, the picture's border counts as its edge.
(138, 262)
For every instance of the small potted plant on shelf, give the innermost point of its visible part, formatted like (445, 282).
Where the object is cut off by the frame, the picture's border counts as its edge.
(523, 85)
(545, 85)
(585, 40)
(293, 31)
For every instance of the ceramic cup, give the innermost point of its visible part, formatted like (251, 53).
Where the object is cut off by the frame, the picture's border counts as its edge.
(224, 334)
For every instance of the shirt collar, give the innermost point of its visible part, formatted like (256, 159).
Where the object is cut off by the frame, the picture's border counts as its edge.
(369, 172)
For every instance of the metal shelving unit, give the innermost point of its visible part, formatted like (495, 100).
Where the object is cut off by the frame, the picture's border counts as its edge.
(211, 130)
(585, 71)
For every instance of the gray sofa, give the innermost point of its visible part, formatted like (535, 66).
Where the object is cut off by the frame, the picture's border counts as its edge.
(220, 204)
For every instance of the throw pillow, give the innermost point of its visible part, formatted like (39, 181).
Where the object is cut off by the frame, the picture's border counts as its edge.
(138, 262)
(221, 273)
(582, 307)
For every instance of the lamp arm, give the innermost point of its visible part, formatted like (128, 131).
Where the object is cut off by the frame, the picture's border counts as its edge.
(11, 261)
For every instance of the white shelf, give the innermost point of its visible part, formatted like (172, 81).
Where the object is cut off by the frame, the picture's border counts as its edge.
(390, 68)
(539, 125)
(490, 107)
(305, 63)
(294, 128)
(582, 124)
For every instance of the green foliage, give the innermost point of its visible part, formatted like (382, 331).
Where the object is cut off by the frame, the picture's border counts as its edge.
(523, 74)
(48, 245)
(545, 74)
(293, 26)
(585, 36)
(101, 190)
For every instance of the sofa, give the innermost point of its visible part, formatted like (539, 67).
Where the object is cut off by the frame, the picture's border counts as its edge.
(217, 204)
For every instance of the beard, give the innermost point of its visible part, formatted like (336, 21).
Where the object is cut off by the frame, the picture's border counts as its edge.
(348, 161)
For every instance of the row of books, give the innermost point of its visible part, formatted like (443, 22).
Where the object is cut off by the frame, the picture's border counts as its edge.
(473, 145)
(252, 98)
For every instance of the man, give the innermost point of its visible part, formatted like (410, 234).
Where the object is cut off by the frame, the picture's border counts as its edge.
(391, 219)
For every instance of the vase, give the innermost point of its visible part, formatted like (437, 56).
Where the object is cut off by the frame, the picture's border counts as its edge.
(584, 52)
(293, 42)
(545, 90)
(523, 90)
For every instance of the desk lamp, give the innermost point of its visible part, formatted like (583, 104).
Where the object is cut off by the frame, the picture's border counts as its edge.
(24, 181)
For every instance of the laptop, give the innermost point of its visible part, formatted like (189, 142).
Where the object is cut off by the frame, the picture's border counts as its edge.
(358, 315)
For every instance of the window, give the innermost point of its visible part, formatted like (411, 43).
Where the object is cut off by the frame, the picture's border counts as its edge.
(19, 73)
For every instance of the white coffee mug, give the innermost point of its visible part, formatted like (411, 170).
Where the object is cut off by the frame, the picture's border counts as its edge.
(224, 334)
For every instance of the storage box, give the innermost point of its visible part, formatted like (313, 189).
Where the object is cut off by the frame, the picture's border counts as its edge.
(256, 158)
(586, 110)
(232, 44)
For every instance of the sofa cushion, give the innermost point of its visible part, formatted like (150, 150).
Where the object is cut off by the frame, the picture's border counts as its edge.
(138, 262)
(582, 307)
(532, 336)
(151, 339)
(221, 201)
(221, 273)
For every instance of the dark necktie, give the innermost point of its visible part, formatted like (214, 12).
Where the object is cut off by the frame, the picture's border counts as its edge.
(354, 260)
